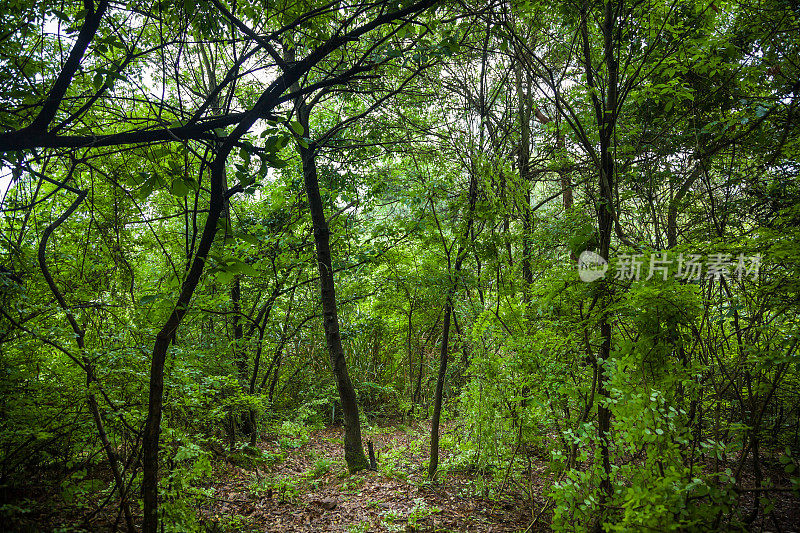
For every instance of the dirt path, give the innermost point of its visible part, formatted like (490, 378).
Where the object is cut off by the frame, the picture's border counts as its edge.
(308, 489)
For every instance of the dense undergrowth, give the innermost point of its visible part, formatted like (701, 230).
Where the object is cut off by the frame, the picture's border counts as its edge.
(557, 241)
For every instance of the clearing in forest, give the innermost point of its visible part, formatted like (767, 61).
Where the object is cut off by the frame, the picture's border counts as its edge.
(305, 487)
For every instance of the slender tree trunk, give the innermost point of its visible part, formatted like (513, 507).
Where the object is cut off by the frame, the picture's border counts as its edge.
(524, 103)
(260, 323)
(236, 300)
(433, 465)
(410, 355)
(152, 429)
(418, 386)
(448, 311)
(353, 447)
(87, 364)
(606, 116)
(427, 336)
(276, 373)
(278, 355)
(563, 175)
(605, 223)
(472, 196)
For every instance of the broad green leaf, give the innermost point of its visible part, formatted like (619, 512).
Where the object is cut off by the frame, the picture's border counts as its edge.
(179, 188)
(150, 298)
(296, 127)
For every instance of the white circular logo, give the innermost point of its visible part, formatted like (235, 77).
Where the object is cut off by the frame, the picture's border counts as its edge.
(591, 266)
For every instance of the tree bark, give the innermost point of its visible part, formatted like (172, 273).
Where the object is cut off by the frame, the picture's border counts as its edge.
(409, 349)
(152, 429)
(606, 112)
(524, 103)
(353, 447)
(88, 366)
(433, 465)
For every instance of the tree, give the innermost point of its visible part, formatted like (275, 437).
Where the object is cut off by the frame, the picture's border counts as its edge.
(40, 132)
(353, 449)
(158, 280)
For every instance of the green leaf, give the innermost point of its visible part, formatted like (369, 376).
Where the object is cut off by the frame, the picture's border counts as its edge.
(145, 191)
(240, 267)
(251, 239)
(162, 150)
(150, 298)
(275, 162)
(61, 15)
(225, 277)
(179, 188)
(137, 178)
(297, 127)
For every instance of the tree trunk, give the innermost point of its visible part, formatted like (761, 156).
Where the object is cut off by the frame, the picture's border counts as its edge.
(448, 311)
(607, 115)
(563, 174)
(87, 364)
(433, 465)
(152, 429)
(410, 356)
(524, 103)
(353, 448)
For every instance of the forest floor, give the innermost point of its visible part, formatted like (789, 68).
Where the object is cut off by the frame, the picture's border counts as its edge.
(308, 489)
(297, 482)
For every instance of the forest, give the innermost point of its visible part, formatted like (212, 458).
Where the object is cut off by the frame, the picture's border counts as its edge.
(399, 265)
